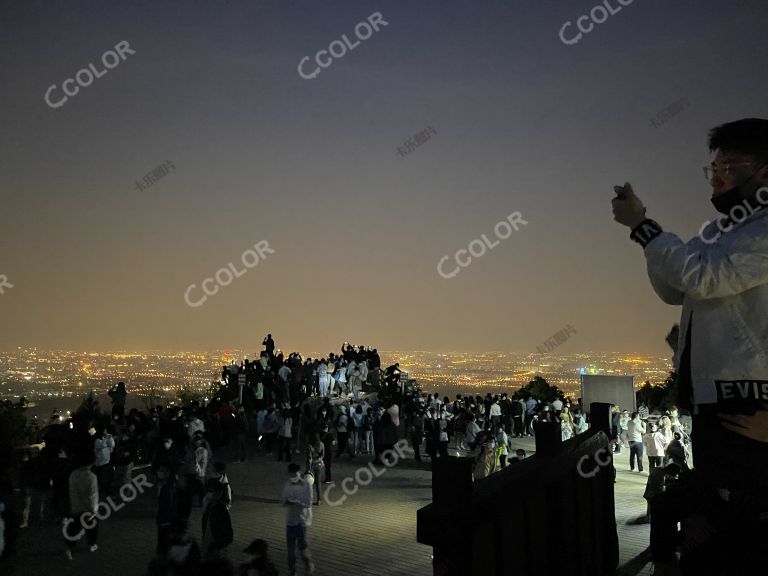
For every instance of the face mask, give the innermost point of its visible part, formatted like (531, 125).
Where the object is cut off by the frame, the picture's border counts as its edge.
(726, 201)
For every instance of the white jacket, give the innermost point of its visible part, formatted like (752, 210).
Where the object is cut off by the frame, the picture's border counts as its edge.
(724, 284)
(103, 448)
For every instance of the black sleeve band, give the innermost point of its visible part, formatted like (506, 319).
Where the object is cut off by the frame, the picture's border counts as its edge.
(646, 231)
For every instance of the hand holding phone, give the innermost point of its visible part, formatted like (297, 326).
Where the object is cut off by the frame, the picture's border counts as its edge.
(627, 207)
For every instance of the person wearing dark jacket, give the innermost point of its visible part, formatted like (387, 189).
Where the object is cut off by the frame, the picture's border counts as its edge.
(416, 430)
(167, 455)
(167, 508)
(217, 525)
(384, 436)
(329, 441)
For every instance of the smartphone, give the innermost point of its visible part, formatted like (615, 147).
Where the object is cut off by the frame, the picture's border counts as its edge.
(620, 192)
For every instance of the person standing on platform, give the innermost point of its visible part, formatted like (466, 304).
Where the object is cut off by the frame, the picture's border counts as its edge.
(316, 462)
(655, 445)
(83, 502)
(297, 498)
(635, 431)
(720, 278)
(118, 395)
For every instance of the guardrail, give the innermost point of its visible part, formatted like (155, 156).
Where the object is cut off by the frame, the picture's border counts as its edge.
(535, 517)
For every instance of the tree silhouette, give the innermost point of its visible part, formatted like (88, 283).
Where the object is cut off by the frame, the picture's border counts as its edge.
(539, 389)
(659, 397)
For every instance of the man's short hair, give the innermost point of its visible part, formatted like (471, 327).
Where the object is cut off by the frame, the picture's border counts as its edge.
(747, 136)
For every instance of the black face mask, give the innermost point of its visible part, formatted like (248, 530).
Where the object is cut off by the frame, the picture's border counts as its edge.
(726, 201)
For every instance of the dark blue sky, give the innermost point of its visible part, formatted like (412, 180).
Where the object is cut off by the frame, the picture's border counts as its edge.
(523, 123)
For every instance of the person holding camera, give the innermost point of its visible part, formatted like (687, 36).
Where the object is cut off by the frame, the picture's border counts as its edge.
(720, 278)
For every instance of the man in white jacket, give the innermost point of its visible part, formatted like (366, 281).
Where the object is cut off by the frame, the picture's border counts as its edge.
(655, 445)
(720, 277)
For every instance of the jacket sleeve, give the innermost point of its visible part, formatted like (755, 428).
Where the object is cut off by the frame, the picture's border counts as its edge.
(667, 293)
(737, 264)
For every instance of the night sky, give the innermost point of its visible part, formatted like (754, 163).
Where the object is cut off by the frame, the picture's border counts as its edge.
(521, 122)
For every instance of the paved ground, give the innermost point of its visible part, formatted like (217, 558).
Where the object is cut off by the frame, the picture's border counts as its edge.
(372, 533)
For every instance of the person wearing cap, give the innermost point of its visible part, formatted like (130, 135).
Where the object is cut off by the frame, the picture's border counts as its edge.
(297, 498)
(258, 563)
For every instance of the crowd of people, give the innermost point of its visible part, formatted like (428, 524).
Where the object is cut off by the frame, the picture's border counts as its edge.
(664, 438)
(310, 411)
(306, 413)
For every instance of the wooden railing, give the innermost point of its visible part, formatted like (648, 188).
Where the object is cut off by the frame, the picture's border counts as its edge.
(551, 514)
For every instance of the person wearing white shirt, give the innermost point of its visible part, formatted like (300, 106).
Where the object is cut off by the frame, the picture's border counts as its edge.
(297, 498)
(655, 445)
(502, 441)
(471, 433)
(635, 431)
(494, 412)
(363, 368)
(323, 379)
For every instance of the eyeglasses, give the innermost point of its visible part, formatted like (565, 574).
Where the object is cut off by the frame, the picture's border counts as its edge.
(725, 170)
